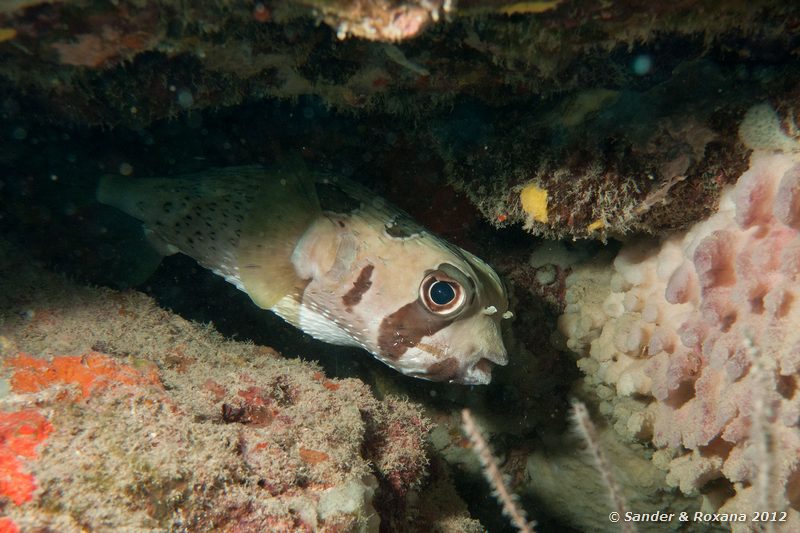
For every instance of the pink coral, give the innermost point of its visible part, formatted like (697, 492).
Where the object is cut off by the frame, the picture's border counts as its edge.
(704, 326)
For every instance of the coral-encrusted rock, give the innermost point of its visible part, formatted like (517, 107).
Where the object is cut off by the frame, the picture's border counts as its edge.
(116, 414)
(701, 335)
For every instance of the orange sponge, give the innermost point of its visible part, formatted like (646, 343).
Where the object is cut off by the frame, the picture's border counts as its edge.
(91, 371)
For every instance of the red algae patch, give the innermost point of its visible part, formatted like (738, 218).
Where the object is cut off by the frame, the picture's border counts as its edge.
(313, 456)
(91, 371)
(21, 433)
(8, 526)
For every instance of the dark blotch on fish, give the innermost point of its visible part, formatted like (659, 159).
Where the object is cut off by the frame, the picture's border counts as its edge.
(404, 328)
(360, 286)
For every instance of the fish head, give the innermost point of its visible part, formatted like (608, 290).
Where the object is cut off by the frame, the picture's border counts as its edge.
(448, 327)
(380, 281)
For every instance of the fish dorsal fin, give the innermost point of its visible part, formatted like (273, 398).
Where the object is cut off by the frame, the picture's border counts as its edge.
(285, 207)
(343, 195)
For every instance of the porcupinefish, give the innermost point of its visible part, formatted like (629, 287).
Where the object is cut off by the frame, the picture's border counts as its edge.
(333, 260)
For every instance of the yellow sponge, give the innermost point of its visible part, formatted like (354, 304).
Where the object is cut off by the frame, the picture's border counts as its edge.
(596, 225)
(534, 202)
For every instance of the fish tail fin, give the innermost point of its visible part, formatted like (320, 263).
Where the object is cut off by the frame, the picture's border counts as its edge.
(136, 254)
(136, 197)
(126, 194)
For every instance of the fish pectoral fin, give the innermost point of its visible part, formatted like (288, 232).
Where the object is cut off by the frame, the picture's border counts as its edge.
(324, 250)
(284, 209)
(160, 245)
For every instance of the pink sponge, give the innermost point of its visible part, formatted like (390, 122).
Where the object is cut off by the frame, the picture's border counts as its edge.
(717, 375)
(787, 203)
(747, 274)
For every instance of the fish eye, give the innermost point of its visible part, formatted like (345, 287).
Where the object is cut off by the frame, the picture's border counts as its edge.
(441, 294)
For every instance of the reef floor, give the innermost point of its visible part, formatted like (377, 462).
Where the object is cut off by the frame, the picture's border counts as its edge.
(118, 415)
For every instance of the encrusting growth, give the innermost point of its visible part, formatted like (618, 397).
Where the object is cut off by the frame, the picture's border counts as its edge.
(491, 471)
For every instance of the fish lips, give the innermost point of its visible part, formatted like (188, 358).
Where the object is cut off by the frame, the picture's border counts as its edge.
(480, 372)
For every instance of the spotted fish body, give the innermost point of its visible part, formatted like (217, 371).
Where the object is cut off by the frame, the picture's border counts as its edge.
(333, 260)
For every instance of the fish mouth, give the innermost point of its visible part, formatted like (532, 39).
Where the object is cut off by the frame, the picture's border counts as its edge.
(480, 373)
